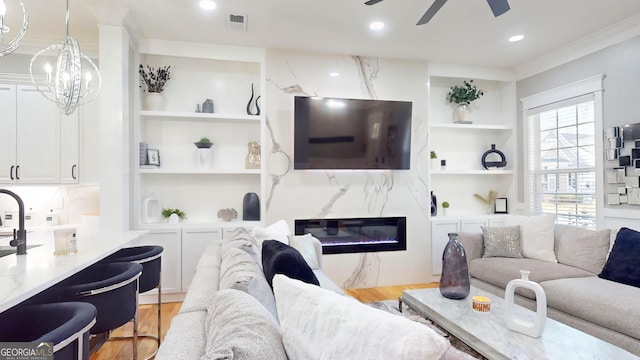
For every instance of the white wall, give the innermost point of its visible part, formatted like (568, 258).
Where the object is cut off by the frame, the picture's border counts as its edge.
(294, 194)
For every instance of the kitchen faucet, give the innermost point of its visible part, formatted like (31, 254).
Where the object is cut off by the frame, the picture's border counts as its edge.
(19, 238)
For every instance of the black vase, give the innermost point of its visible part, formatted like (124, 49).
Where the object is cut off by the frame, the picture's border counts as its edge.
(434, 205)
(454, 281)
(251, 207)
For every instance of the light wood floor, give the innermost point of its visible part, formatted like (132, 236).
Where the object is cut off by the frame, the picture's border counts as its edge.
(147, 318)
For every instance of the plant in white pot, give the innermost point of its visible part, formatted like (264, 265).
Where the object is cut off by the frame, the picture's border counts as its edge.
(463, 96)
(445, 208)
(155, 81)
(203, 153)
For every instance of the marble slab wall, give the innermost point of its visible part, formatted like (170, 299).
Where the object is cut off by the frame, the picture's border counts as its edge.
(295, 194)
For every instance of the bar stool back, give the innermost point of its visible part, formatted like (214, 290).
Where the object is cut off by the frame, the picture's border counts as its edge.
(66, 325)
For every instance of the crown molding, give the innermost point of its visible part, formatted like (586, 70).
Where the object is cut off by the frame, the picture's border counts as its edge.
(599, 40)
(32, 46)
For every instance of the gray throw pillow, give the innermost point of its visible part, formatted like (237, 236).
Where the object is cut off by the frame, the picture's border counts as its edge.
(582, 248)
(238, 327)
(502, 241)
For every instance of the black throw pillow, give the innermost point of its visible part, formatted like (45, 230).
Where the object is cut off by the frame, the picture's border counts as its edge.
(623, 265)
(279, 258)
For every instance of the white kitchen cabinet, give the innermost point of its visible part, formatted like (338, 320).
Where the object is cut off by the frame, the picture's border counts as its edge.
(194, 241)
(8, 145)
(39, 145)
(442, 226)
(170, 240)
(69, 148)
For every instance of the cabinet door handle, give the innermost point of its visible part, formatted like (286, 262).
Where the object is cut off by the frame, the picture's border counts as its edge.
(73, 171)
(17, 173)
(11, 172)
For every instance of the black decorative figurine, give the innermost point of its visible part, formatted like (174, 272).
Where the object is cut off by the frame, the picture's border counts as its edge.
(498, 164)
(249, 103)
(251, 207)
(434, 205)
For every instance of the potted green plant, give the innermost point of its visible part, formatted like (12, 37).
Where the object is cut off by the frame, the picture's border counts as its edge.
(463, 96)
(445, 207)
(435, 163)
(155, 81)
(174, 215)
(203, 143)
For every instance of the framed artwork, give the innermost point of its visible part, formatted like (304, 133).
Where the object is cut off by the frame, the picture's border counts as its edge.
(153, 157)
(500, 206)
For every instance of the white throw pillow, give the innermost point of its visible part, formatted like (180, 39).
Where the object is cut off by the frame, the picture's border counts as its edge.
(277, 231)
(319, 324)
(304, 245)
(536, 235)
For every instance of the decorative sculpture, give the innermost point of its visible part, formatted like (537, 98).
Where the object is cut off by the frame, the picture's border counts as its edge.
(253, 157)
(250, 101)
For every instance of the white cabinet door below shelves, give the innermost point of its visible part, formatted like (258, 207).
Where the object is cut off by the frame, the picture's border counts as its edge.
(194, 241)
(439, 239)
(69, 144)
(171, 258)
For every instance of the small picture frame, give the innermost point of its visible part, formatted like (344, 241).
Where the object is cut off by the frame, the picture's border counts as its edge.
(153, 157)
(500, 206)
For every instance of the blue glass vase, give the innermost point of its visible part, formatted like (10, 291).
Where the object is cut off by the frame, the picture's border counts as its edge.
(454, 281)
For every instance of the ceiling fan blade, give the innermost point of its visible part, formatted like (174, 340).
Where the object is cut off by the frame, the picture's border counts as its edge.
(431, 11)
(372, 2)
(498, 7)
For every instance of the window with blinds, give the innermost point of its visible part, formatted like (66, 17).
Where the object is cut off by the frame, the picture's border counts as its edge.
(562, 161)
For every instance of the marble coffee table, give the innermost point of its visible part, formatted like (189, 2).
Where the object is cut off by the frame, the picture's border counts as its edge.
(487, 333)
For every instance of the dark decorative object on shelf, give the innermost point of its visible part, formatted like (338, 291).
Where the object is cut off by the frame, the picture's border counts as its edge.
(624, 160)
(454, 281)
(250, 101)
(207, 106)
(203, 143)
(497, 164)
(251, 207)
(434, 205)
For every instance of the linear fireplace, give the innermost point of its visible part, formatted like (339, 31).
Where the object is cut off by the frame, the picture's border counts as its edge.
(356, 235)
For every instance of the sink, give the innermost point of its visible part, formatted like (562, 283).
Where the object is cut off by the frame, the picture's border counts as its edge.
(8, 250)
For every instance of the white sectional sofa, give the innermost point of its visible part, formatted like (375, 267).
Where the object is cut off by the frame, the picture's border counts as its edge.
(575, 294)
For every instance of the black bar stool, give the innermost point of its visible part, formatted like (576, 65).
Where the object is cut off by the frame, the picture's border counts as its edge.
(66, 325)
(111, 288)
(150, 257)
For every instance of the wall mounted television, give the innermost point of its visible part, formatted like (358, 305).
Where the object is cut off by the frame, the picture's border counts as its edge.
(332, 133)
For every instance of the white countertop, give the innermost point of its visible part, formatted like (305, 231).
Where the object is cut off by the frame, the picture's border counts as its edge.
(23, 276)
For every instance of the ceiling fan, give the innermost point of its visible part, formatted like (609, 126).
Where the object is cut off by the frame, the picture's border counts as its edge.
(498, 7)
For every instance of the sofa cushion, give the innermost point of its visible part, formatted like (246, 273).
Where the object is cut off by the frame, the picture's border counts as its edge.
(203, 285)
(240, 271)
(536, 235)
(320, 324)
(623, 265)
(279, 258)
(277, 231)
(499, 271)
(305, 245)
(501, 241)
(603, 302)
(185, 338)
(238, 327)
(582, 248)
(210, 256)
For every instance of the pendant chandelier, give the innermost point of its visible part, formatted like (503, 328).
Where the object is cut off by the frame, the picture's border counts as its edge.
(5, 30)
(69, 84)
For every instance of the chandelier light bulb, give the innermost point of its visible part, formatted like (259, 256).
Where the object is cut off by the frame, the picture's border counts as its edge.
(11, 45)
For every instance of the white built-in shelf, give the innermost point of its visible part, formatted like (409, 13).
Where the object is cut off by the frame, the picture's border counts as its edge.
(199, 116)
(201, 171)
(472, 172)
(200, 224)
(469, 126)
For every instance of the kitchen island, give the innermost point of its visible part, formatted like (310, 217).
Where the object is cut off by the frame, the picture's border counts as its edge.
(24, 276)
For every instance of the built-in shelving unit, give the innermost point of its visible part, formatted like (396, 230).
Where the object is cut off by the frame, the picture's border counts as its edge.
(493, 119)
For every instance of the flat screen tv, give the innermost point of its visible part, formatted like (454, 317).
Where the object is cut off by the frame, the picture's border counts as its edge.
(331, 133)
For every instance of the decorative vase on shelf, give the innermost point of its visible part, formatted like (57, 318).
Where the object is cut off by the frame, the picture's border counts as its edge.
(434, 205)
(535, 328)
(462, 112)
(454, 281)
(155, 101)
(204, 158)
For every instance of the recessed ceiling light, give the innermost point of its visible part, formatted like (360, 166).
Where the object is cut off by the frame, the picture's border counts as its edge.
(208, 4)
(515, 38)
(376, 25)
(334, 74)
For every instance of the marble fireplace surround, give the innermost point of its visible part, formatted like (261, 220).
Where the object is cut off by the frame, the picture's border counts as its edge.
(356, 235)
